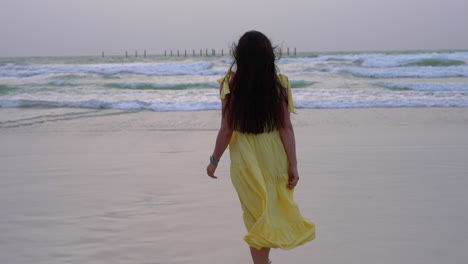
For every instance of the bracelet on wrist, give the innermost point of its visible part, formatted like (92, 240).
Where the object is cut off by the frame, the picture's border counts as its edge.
(213, 160)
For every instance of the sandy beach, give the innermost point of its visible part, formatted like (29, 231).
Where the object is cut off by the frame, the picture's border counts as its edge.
(382, 185)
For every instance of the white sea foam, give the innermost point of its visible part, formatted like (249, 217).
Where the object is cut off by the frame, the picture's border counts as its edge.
(425, 86)
(124, 105)
(318, 100)
(319, 58)
(194, 68)
(400, 72)
(379, 103)
(162, 86)
(386, 60)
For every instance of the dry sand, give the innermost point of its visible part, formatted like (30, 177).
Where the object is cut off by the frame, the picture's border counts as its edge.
(108, 186)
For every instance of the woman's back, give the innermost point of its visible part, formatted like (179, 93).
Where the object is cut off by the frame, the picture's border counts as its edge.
(256, 101)
(283, 80)
(259, 173)
(256, 107)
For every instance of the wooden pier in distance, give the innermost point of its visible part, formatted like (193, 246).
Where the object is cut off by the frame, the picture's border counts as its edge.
(213, 53)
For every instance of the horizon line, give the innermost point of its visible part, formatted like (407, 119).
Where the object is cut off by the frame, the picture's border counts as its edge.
(140, 55)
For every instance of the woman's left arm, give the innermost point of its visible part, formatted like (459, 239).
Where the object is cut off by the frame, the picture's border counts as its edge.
(222, 141)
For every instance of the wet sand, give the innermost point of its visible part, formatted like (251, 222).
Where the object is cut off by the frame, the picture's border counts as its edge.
(382, 185)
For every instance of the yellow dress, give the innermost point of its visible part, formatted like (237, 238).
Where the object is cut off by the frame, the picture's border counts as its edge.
(259, 173)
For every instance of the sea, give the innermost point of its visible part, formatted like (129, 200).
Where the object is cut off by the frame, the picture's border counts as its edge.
(188, 83)
(102, 160)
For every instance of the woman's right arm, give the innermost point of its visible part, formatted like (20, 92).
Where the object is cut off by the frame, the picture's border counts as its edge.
(289, 143)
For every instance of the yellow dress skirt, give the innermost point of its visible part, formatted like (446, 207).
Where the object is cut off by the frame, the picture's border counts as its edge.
(259, 173)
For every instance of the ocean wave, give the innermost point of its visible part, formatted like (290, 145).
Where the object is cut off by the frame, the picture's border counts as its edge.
(301, 84)
(123, 105)
(195, 68)
(136, 105)
(379, 103)
(423, 59)
(404, 72)
(424, 86)
(184, 86)
(70, 77)
(57, 83)
(379, 60)
(4, 89)
(303, 59)
(227, 60)
(159, 86)
(434, 62)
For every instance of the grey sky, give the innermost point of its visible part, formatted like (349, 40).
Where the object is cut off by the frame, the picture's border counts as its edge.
(86, 27)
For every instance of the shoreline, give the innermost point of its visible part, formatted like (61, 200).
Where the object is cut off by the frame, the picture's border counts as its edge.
(69, 119)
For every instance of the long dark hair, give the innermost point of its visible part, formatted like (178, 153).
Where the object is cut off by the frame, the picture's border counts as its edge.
(255, 103)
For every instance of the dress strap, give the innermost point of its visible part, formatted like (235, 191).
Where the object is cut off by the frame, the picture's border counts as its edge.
(285, 83)
(225, 85)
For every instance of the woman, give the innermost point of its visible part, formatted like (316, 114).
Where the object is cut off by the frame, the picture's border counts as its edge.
(256, 107)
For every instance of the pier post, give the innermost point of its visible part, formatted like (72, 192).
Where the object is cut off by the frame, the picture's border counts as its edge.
(206, 52)
(136, 54)
(165, 53)
(171, 53)
(222, 52)
(185, 53)
(294, 51)
(178, 53)
(288, 52)
(201, 53)
(144, 54)
(126, 54)
(193, 51)
(103, 54)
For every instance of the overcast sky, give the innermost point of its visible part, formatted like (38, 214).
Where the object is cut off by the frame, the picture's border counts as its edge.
(87, 27)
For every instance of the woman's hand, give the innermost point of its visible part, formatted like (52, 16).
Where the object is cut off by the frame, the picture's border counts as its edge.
(293, 177)
(210, 170)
